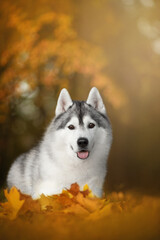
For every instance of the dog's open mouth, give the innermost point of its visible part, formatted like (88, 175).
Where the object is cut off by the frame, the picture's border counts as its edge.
(83, 154)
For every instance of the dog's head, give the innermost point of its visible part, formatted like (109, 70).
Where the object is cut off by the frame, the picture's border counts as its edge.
(82, 128)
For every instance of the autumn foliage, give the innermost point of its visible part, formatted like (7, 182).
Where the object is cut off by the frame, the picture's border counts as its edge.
(79, 215)
(44, 51)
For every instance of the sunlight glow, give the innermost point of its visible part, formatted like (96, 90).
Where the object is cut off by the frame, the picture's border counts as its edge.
(147, 3)
(156, 46)
(147, 29)
(23, 88)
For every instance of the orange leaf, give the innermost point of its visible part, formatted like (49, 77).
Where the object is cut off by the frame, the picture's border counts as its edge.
(29, 204)
(91, 204)
(14, 203)
(74, 190)
(76, 209)
(49, 202)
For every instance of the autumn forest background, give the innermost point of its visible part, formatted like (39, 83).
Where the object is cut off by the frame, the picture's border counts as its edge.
(114, 45)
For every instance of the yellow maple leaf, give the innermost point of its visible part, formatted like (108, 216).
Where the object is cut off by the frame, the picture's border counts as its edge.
(49, 202)
(66, 192)
(88, 190)
(14, 204)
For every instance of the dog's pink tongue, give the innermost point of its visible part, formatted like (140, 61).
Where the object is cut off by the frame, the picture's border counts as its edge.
(83, 155)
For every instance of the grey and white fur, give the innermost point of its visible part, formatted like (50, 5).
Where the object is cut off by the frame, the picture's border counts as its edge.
(74, 148)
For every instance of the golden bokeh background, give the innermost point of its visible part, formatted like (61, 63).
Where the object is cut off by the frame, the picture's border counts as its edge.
(111, 44)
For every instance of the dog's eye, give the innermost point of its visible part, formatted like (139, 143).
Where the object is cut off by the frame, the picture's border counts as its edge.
(71, 127)
(91, 125)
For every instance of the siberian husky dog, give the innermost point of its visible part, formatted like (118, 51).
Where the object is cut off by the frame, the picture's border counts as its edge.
(74, 148)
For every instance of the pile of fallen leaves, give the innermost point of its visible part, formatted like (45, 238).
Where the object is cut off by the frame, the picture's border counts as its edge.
(76, 214)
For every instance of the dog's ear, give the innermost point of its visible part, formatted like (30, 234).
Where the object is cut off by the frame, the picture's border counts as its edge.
(95, 100)
(64, 102)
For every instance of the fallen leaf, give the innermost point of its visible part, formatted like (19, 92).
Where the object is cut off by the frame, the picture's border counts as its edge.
(74, 190)
(49, 203)
(91, 204)
(14, 204)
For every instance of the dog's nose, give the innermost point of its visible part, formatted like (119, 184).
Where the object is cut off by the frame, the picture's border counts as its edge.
(82, 142)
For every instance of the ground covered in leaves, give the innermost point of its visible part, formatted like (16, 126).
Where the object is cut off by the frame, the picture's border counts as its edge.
(76, 214)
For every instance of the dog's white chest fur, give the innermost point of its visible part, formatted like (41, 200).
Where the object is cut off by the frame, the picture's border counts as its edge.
(63, 178)
(74, 148)
(59, 175)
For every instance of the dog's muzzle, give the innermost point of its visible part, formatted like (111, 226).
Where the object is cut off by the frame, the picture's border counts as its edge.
(83, 153)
